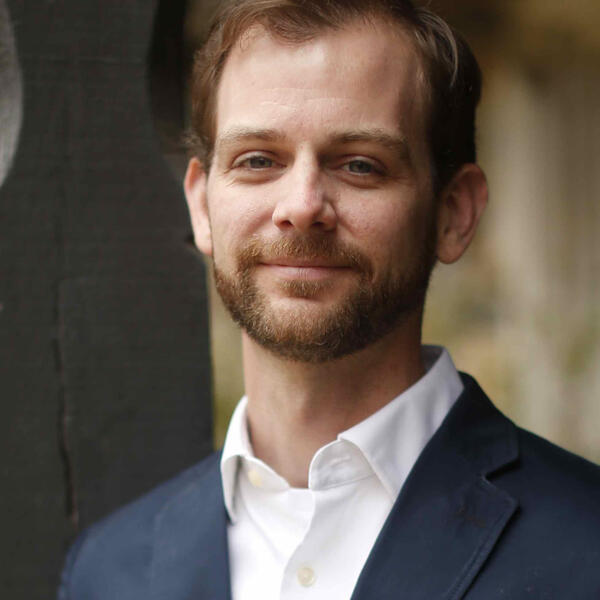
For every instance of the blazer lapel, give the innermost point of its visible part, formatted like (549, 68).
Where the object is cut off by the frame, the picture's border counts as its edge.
(448, 516)
(190, 542)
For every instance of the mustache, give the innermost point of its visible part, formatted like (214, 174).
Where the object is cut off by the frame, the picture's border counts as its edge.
(257, 250)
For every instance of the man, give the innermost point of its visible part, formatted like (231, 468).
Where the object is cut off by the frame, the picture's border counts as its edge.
(335, 166)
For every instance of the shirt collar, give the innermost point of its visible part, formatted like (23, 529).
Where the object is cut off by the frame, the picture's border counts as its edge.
(237, 445)
(390, 440)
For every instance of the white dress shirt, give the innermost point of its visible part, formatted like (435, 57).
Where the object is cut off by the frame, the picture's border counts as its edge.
(288, 543)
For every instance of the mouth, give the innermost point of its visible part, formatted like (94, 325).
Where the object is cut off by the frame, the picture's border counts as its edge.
(296, 268)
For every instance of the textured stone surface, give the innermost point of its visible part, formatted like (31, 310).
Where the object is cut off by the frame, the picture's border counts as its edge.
(104, 365)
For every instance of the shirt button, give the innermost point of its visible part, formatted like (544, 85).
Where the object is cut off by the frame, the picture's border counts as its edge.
(255, 478)
(306, 576)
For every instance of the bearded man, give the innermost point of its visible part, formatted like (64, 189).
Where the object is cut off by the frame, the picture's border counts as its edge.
(334, 165)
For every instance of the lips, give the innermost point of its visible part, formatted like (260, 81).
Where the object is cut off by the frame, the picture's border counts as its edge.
(303, 263)
(298, 269)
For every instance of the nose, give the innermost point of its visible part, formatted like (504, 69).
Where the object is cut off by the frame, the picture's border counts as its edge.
(304, 204)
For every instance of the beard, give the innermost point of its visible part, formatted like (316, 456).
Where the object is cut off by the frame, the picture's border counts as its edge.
(366, 313)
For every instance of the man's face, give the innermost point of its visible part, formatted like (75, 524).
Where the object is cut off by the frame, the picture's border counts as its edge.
(322, 221)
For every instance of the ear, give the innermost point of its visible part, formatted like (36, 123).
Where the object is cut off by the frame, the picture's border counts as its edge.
(194, 185)
(461, 205)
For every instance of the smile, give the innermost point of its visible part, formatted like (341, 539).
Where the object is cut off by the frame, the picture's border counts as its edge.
(309, 271)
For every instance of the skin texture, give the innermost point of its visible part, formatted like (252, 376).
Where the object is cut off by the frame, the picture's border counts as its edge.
(321, 155)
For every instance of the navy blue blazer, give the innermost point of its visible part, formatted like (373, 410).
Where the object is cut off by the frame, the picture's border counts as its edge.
(488, 512)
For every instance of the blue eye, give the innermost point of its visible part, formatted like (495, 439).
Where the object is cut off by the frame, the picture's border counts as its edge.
(258, 162)
(360, 167)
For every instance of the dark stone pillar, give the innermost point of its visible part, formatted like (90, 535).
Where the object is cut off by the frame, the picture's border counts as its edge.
(104, 364)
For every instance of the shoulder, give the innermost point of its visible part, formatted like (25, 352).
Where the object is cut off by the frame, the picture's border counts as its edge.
(557, 492)
(556, 528)
(120, 546)
(551, 544)
(135, 520)
(555, 480)
(531, 467)
(539, 453)
(553, 540)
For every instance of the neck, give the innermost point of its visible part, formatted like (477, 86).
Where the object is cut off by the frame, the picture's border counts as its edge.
(295, 408)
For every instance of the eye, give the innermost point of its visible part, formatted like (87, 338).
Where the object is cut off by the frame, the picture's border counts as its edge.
(256, 162)
(360, 167)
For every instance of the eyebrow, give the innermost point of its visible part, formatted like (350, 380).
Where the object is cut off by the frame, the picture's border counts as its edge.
(397, 144)
(236, 135)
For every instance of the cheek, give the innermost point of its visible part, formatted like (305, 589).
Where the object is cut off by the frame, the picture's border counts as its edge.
(380, 224)
(234, 218)
(391, 238)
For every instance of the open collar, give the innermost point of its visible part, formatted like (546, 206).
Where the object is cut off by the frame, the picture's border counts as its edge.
(386, 443)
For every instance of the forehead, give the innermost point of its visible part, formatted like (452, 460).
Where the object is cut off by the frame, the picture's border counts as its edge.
(365, 75)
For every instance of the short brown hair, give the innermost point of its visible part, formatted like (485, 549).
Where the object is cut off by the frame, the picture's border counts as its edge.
(451, 74)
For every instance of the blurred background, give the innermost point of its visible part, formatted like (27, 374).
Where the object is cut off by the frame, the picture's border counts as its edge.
(521, 311)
